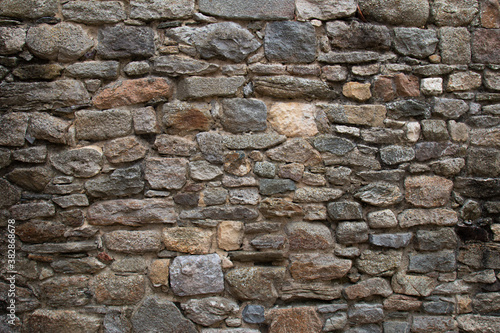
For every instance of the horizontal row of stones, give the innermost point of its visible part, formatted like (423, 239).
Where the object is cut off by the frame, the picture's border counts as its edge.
(407, 13)
(282, 41)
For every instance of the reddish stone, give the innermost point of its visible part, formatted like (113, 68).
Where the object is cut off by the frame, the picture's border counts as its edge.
(295, 320)
(41, 231)
(407, 85)
(384, 88)
(483, 42)
(402, 303)
(132, 92)
(490, 14)
(425, 191)
(270, 207)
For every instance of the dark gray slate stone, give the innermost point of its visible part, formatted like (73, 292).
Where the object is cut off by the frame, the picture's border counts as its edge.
(274, 186)
(438, 307)
(290, 41)
(427, 240)
(125, 41)
(221, 213)
(414, 42)
(160, 315)
(478, 187)
(427, 150)
(196, 275)
(332, 144)
(121, 182)
(257, 9)
(42, 95)
(293, 87)
(357, 35)
(211, 146)
(392, 155)
(345, 210)
(396, 327)
(391, 240)
(413, 13)
(243, 115)
(408, 108)
(354, 57)
(253, 314)
(443, 261)
(94, 12)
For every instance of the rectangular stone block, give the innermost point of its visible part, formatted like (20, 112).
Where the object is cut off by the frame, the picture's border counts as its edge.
(255, 10)
(148, 10)
(371, 115)
(199, 87)
(102, 125)
(133, 241)
(94, 12)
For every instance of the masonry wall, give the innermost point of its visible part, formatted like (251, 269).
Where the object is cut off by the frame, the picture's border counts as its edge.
(254, 166)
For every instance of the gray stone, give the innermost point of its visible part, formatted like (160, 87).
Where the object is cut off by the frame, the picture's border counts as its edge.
(209, 311)
(443, 261)
(396, 327)
(310, 9)
(130, 264)
(46, 127)
(34, 178)
(383, 135)
(166, 173)
(392, 155)
(124, 150)
(492, 79)
(483, 162)
(102, 125)
(335, 322)
(243, 115)
(148, 10)
(290, 42)
(476, 323)
(464, 81)
(256, 10)
(355, 158)
(293, 87)
(117, 42)
(253, 314)
(31, 9)
(196, 275)
(254, 141)
(442, 217)
(145, 121)
(358, 35)
(314, 194)
(395, 241)
(215, 196)
(68, 247)
(332, 144)
(367, 288)
(59, 321)
(235, 213)
(74, 291)
(438, 307)
(454, 13)
(265, 169)
(428, 150)
(427, 240)
(372, 328)
(380, 194)
(14, 126)
(111, 289)
(411, 13)
(120, 183)
(409, 108)
(455, 45)
(176, 65)
(106, 70)
(116, 322)
(135, 241)
(137, 68)
(354, 57)
(379, 263)
(433, 70)
(365, 313)
(63, 42)
(434, 130)
(382, 219)
(414, 42)
(42, 95)
(94, 12)
(203, 170)
(256, 283)
(72, 200)
(80, 162)
(87, 265)
(12, 39)
(352, 232)
(199, 87)
(345, 210)
(423, 324)
(450, 108)
(11, 194)
(308, 236)
(334, 73)
(274, 186)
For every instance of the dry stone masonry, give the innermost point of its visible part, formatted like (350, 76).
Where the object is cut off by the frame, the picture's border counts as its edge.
(232, 166)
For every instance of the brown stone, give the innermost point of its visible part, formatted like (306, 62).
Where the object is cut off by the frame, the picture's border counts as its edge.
(379, 263)
(41, 231)
(369, 115)
(191, 240)
(61, 321)
(111, 289)
(483, 41)
(309, 236)
(180, 117)
(486, 137)
(490, 14)
(158, 272)
(402, 303)
(384, 88)
(295, 150)
(359, 92)
(427, 191)
(133, 241)
(174, 145)
(367, 288)
(295, 320)
(130, 92)
(34, 178)
(293, 119)
(407, 85)
(237, 164)
(413, 285)
(318, 267)
(438, 216)
(292, 171)
(124, 150)
(277, 207)
(256, 283)
(230, 235)
(462, 81)
(166, 173)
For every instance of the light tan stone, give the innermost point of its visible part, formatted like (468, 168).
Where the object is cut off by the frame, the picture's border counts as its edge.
(496, 232)
(293, 119)
(230, 235)
(191, 240)
(358, 91)
(158, 272)
(427, 191)
(413, 285)
(295, 320)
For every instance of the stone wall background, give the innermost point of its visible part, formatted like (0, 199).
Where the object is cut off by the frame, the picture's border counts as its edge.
(251, 166)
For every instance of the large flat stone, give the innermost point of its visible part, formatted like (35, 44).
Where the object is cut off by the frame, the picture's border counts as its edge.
(133, 241)
(120, 183)
(371, 115)
(60, 321)
(256, 283)
(166, 173)
(243, 115)
(199, 87)
(293, 87)
(325, 10)
(102, 125)
(255, 10)
(426, 191)
(94, 12)
(116, 42)
(148, 10)
(483, 41)
(14, 126)
(293, 119)
(358, 35)
(318, 267)
(111, 289)
(79, 162)
(196, 275)
(290, 42)
(413, 13)
(12, 40)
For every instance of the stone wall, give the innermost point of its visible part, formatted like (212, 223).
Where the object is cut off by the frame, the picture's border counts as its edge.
(232, 166)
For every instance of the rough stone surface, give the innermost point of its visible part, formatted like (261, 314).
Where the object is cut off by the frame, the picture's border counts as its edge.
(455, 45)
(133, 241)
(299, 319)
(371, 115)
(160, 9)
(199, 87)
(102, 125)
(425, 191)
(406, 13)
(358, 35)
(113, 289)
(318, 267)
(238, 9)
(454, 13)
(94, 12)
(292, 87)
(166, 173)
(59, 321)
(415, 42)
(175, 65)
(196, 275)
(380, 194)
(116, 42)
(80, 162)
(317, 9)
(290, 42)
(293, 119)
(191, 240)
(243, 115)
